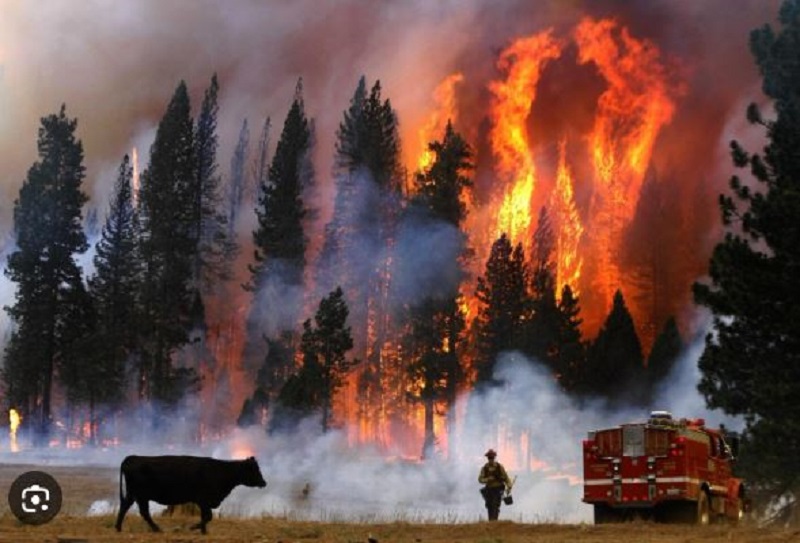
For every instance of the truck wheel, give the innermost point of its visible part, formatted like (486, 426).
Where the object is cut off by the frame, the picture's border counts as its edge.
(603, 514)
(703, 514)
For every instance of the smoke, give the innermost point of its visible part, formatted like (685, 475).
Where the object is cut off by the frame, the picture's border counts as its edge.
(313, 476)
(117, 66)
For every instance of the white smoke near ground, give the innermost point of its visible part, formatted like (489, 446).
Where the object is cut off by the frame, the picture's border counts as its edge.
(313, 476)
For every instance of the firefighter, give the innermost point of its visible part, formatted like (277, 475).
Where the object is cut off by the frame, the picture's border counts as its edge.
(495, 480)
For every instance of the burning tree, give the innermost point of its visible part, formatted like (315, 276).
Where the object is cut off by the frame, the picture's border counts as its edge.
(751, 362)
(433, 342)
(47, 224)
(324, 347)
(356, 253)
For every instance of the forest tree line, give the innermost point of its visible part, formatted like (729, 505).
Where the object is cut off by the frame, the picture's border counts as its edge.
(131, 332)
(134, 330)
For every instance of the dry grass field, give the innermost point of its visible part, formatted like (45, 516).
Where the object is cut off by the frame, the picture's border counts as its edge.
(82, 485)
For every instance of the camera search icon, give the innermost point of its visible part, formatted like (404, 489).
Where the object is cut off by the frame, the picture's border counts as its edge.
(35, 497)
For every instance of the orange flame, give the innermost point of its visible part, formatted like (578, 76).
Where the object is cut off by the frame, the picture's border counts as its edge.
(630, 113)
(568, 227)
(523, 62)
(444, 96)
(135, 179)
(14, 420)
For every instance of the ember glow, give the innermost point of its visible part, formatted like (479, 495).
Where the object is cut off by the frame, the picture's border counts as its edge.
(637, 103)
(135, 179)
(14, 421)
(568, 227)
(444, 97)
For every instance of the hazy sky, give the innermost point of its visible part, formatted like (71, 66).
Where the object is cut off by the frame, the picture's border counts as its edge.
(116, 64)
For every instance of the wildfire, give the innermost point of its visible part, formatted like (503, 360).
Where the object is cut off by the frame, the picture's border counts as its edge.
(569, 229)
(522, 61)
(135, 179)
(444, 96)
(14, 420)
(637, 102)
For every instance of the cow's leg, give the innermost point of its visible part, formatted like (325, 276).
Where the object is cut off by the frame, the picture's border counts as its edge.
(144, 510)
(205, 518)
(124, 505)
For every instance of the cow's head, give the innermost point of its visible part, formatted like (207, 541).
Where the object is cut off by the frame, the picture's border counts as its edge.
(251, 474)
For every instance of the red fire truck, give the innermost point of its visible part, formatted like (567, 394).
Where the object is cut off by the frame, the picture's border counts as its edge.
(664, 469)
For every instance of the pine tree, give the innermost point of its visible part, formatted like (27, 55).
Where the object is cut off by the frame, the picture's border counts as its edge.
(114, 290)
(47, 224)
(569, 360)
(168, 297)
(358, 244)
(543, 324)
(324, 346)
(280, 239)
(436, 323)
(261, 162)
(503, 294)
(238, 180)
(751, 362)
(211, 263)
(615, 365)
(664, 354)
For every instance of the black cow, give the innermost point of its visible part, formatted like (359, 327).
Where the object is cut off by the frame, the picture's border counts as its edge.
(170, 480)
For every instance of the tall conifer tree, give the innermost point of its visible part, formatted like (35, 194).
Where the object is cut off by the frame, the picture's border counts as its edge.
(503, 293)
(49, 235)
(169, 244)
(751, 362)
(437, 322)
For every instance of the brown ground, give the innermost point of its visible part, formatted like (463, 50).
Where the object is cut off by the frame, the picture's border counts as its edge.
(82, 485)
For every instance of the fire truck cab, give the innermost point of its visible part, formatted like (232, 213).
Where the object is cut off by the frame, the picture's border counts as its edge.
(663, 469)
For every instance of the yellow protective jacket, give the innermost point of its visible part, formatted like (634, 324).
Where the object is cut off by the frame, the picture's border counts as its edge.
(494, 475)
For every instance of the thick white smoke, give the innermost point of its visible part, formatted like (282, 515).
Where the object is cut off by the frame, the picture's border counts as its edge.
(323, 477)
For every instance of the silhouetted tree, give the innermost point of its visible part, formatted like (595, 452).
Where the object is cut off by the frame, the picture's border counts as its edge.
(169, 243)
(47, 226)
(114, 290)
(436, 323)
(664, 354)
(751, 362)
(543, 322)
(569, 359)
(502, 292)
(615, 365)
(324, 347)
